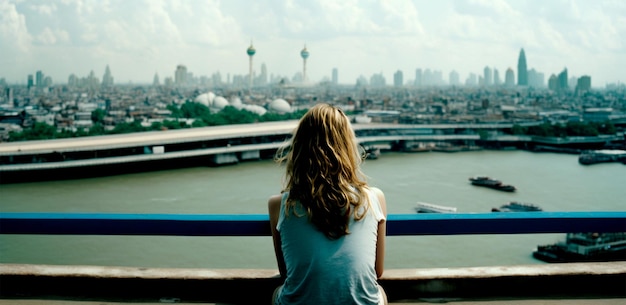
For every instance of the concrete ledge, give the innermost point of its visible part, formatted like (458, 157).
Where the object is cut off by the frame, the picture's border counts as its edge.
(127, 284)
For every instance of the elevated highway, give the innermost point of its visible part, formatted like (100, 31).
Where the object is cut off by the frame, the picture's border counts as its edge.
(111, 154)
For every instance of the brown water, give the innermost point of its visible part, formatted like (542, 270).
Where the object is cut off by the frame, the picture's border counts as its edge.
(556, 182)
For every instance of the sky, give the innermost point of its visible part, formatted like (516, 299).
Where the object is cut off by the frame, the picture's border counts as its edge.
(140, 38)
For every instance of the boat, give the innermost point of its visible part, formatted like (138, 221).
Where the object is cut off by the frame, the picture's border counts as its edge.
(425, 207)
(584, 247)
(589, 157)
(515, 206)
(372, 153)
(491, 183)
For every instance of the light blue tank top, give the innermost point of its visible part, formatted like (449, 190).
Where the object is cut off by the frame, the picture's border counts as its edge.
(324, 271)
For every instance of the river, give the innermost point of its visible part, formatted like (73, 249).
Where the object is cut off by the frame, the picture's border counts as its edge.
(556, 182)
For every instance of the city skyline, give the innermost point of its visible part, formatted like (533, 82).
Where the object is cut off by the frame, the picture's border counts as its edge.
(357, 38)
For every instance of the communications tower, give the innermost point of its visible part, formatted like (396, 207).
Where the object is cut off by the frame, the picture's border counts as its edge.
(304, 54)
(251, 51)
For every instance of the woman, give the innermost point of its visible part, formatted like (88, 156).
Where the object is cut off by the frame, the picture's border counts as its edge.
(328, 225)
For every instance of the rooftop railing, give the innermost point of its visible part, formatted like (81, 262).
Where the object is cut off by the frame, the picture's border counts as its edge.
(552, 280)
(258, 224)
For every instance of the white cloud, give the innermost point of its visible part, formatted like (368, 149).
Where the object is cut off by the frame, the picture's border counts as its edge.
(50, 37)
(360, 37)
(45, 9)
(14, 35)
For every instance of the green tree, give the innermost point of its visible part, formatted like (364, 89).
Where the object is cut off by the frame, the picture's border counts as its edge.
(518, 130)
(39, 131)
(543, 130)
(193, 110)
(96, 130)
(97, 116)
(134, 126)
(176, 112)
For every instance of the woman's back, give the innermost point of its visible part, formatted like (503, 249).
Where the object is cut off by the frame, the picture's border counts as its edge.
(328, 226)
(326, 271)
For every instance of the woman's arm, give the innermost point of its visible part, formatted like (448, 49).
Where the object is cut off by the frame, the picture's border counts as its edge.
(274, 211)
(382, 233)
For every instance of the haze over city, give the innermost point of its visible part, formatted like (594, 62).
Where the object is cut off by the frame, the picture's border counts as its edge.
(138, 39)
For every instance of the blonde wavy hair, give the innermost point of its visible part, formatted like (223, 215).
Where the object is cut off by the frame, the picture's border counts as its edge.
(323, 171)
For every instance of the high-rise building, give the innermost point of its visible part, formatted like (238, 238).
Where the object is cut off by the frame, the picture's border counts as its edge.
(454, 78)
(9, 95)
(92, 81)
(250, 51)
(471, 80)
(488, 78)
(398, 79)
(39, 79)
(305, 55)
(437, 78)
(522, 69)
(562, 80)
(496, 77)
(378, 80)
(573, 81)
(509, 77)
(535, 79)
(584, 84)
(107, 78)
(553, 83)
(335, 76)
(361, 81)
(427, 78)
(30, 82)
(263, 76)
(180, 76)
(418, 77)
(155, 80)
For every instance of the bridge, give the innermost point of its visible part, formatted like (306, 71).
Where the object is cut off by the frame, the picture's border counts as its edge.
(22, 161)
(593, 283)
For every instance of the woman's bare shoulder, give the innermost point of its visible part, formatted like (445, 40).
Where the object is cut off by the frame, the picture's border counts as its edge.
(274, 200)
(376, 191)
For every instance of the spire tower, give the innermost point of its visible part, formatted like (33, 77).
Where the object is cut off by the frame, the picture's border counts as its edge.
(304, 54)
(251, 51)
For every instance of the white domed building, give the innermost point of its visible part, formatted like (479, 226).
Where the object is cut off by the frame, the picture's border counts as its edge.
(211, 96)
(203, 99)
(219, 103)
(236, 102)
(279, 105)
(255, 109)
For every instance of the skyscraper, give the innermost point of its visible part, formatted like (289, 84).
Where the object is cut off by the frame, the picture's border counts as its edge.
(488, 78)
(263, 76)
(553, 83)
(39, 79)
(418, 77)
(562, 80)
(536, 79)
(250, 51)
(454, 78)
(155, 80)
(583, 84)
(398, 79)
(107, 78)
(496, 77)
(509, 78)
(180, 77)
(304, 54)
(522, 69)
(335, 76)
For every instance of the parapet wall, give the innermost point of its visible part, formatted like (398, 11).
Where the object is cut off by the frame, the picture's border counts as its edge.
(249, 286)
